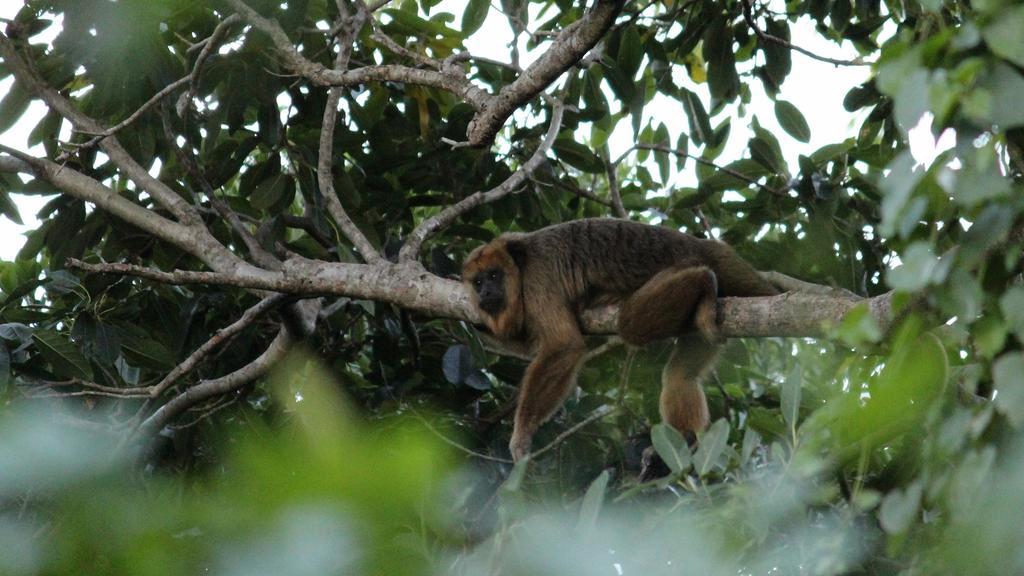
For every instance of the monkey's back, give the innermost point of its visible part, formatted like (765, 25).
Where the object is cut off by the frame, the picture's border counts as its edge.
(601, 260)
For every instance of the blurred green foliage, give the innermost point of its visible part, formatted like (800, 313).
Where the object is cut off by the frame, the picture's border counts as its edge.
(871, 452)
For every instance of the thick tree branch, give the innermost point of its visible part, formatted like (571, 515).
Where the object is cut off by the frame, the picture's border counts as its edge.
(793, 314)
(444, 218)
(196, 241)
(160, 192)
(568, 47)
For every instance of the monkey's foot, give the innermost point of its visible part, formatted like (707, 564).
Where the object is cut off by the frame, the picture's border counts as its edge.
(519, 446)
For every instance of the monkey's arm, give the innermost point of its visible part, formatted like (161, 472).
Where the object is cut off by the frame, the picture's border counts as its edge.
(551, 376)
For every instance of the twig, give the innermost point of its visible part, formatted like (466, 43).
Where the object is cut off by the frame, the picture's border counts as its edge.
(177, 277)
(187, 159)
(217, 407)
(458, 446)
(788, 283)
(613, 183)
(248, 317)
(597, 414)
(94, 386)
(325, 159)
(190, 78)
(706, 162)
(432, 225)
(786, 43)
(181, 210)
(320, 74)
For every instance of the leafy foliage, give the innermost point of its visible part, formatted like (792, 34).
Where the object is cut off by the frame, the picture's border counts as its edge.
(871, 452)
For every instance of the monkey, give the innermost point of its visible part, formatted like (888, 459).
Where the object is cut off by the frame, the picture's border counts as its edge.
(531, 287)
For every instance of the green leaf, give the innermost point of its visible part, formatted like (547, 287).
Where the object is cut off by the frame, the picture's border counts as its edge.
(631, 52)
(9, 208)
(268, 192)
(578, 156)
(723, 81)
(1008, 376)
(592, 501)
(671, 446)
(474, 15)
(1005, 35)
(899, 508)
(751, 440)
(5, 368)
(778, 59)
(917, 271)
(700, 123)
(457, 363)
(63, 356)
(723, 180)
(662, 138)
(13, 106)
(770, 156)
(712, 443)
(792, 121)
(791, 389)
(414, 22)
(140, 350)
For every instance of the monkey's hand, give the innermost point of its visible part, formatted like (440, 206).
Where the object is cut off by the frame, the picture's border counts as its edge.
(519, 446)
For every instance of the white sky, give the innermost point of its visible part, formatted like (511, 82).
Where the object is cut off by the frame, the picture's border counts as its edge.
(816, 88)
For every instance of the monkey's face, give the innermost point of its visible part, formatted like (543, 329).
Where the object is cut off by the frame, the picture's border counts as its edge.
(489, 285)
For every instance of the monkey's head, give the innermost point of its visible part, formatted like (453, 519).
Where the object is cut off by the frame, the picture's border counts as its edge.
(492, 276)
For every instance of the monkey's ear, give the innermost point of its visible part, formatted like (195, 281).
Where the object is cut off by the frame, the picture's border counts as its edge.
(517, 250)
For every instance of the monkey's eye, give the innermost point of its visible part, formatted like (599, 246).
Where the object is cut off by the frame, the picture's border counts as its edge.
(492, 275)
(477, 282)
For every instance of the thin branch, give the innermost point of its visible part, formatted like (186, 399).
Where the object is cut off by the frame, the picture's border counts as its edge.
(247, 319)
(594, 416)
(95, 140)
(218, 386)
(187, 159)
(163, 195)
(787, 44)
(444, 218)
(706, 162)
(177, 277)
(613, 183)
(400, 50)
(306, 224)
(788, 283)
(458, 446)
(320, 74)
(94, 386)
(325, 159)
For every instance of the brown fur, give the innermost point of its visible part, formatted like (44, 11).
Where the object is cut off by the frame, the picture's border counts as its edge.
(667, 283)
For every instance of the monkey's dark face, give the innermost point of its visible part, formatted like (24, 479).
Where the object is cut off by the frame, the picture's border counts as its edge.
(490, 290)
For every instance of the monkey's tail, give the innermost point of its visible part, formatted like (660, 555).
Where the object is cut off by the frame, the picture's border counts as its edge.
(682, 403)
(736, 277)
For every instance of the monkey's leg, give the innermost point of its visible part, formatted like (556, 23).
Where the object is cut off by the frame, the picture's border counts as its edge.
(673, 302)
(548, 381)
(682, 403)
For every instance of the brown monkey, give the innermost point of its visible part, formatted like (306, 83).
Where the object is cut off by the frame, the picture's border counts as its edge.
(531, 287)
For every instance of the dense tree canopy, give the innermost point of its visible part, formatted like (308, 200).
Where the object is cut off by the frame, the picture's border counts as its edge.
(237, 343)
